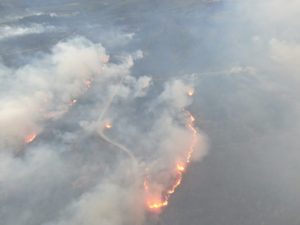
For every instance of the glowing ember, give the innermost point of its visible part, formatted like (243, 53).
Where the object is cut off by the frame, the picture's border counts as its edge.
(191, 126)
(158, 205)
(30, 138)
(156, 201)
(108, 125)
(180, 167)
(176, 184)
(191, 92)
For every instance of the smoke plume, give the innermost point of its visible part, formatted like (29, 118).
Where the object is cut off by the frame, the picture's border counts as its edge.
(104, 107)
(78, 100)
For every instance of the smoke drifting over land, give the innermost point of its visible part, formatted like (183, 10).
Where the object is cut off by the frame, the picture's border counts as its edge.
(105, 107)
(97, 99)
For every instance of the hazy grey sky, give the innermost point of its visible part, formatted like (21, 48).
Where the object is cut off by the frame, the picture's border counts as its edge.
(70, 68)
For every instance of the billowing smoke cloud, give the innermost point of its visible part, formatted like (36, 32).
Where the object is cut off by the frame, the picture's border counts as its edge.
(46, 88)
(102, 106)
(79, 94)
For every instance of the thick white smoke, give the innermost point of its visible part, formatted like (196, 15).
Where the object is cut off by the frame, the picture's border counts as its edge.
(7, 31)
(46, 87)
(79, 85)
(85, 127)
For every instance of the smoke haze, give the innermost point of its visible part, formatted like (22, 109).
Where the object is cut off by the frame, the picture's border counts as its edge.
(97, 108)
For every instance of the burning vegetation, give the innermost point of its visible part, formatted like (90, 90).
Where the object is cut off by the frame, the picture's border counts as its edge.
(156, 198)
(30, 138)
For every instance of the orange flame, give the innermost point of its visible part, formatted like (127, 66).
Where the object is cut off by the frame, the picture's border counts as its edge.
(176, 184)
(156, 204)
(180, 167)
(30, 138)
